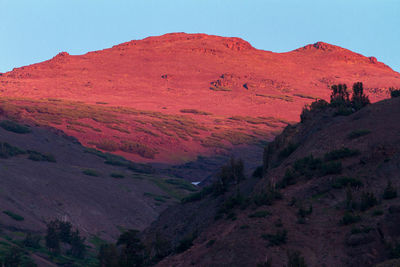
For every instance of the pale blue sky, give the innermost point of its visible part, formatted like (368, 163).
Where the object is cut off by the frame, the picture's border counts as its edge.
(35, 30)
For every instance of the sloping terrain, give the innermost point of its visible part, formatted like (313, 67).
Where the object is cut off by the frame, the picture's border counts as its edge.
(171, 98)
(46, 175)
(328, 196)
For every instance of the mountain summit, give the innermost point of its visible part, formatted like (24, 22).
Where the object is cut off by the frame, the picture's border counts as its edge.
(214, 86)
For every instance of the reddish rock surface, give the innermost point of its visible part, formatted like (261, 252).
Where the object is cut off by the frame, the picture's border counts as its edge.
(223, 77)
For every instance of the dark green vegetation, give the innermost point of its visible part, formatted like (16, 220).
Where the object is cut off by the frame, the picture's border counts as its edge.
(195, 111)
(394, 92)
(128, 251)
(13, 215)
(90, 172)
(324, 179)
(358, 133)
(14, 127)
(279, 238)
(340, 101)
(7, 151)
(328, 174)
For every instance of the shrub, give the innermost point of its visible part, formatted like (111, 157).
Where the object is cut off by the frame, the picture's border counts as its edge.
(236, 200)
(117, 175)
(198, 195)
(260, 214)
(333, 167)
(377, 213)
(7, 150)
(302, 212)
(349, 218)
(185, 243)
(131, 252)
(361, 230)
(288, 178)
(14, 127)
(344, 111)
(90, 172)
(395, 251)
(307, 165)
(287, 150)
(390, 191)
(210, 243)
(358, 133)
(339, 96)
(368, 200)
(359, 99)
(309, 110)
(280, 237)
(231, 173)
(394, 92)
(194, 111)
(295, 259)
(108, 255)
(341, 154)
(107, 145)
(138, 148)
(32, 241)
(258, 172)
(267, 196)
(13, 215)
(78, 248)
(37, 156)
(342, 182)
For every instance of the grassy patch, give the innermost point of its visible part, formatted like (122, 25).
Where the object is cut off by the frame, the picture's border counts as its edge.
(37, 156)
(195, 111)
(306, 96)
(358, 133)
(107, 145)
(139, 149)
(117, 175)
(13, 215)
(220, 88)
(341, 154)
(235, 137)
(7, 150)
(118, 128)
(159, 198)
(198, 195)
(286, 98)
(14, 127)
(90, 172)
(180, 183)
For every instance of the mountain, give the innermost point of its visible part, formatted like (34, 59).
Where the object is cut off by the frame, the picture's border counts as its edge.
(171, 98)
(328, 195)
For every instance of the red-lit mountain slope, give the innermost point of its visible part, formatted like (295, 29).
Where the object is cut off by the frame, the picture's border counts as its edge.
(172, 97)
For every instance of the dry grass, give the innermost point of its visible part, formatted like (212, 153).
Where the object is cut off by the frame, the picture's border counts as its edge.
(287, 98)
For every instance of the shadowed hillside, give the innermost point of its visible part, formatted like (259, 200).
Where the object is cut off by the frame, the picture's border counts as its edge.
(46, 176)
(327, 196)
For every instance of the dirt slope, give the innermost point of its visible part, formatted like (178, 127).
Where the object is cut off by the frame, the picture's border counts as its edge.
(185, 94)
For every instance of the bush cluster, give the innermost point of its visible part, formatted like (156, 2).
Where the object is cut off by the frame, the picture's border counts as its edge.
(340, 100)
(61, 232)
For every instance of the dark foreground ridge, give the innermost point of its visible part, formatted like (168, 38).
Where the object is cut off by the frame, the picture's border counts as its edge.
(326, 195)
